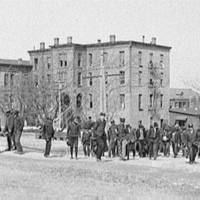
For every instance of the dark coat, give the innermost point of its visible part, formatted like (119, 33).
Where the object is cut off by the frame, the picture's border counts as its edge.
(9, 125)
(48, 131)
(191, 138)
(141, 134)
(154, 135)
(121, 131)
(112, 132)
(99, 128)
(18, 124)
(73, 130)
(176, 135)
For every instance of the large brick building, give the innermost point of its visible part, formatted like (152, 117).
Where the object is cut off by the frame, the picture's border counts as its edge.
(114, 76)
(12, 74)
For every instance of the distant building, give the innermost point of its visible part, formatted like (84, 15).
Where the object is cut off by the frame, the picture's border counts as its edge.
(12, 73)
(114, 77)
(184, 106)
(184, 98)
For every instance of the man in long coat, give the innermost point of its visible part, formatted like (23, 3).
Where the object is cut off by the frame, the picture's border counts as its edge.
(99, 133)
(48, 134)
(18, 128)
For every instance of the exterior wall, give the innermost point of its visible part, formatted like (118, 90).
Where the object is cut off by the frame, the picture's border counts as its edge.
(144, 89)
(113, 89)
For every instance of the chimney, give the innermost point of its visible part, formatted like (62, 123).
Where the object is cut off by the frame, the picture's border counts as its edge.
(143, 39)
(56, 41)
(99, 41)
(112, 38)
(153, 40)
(69, 40)
(42, 45)
(19, 61)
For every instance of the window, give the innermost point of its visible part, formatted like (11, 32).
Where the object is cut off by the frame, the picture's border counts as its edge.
(61, 63)
(151, 100)
(140, 78)
(105, 58)
(48, 62)
(161, 79)
(63, 60)
(5, 80)
(90, 59)
(151, 82)
(151, 57)
(139, 58)
(90, 79)
(35, 63)
(161, 61)
(140, 102)
(122, 101)
(79, 59)
(79, 100)
(11, 79)
(121, 58)
(6, 98)
(49, 78)
(122, 77)
(90, 100)
(79, 79)
(161, 100)
(106, 77)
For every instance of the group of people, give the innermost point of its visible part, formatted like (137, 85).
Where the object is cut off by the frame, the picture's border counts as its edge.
(119, 140)
(13, 130)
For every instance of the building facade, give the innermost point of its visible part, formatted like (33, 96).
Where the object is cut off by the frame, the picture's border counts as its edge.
(115, 77)
(13, 73)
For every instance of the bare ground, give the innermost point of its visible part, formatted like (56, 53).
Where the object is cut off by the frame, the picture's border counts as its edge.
(31, 176)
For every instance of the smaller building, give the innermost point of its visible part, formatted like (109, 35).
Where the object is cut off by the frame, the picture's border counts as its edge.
(184, 116)
(184, 98)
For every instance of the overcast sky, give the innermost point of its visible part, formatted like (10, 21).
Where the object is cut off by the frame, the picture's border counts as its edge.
(25, 23)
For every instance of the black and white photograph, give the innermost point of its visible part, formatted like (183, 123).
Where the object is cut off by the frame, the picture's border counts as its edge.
(99, 99)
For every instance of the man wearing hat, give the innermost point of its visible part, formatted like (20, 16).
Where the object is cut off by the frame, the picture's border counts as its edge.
(112, 139)
(73, 133)
(176, 139)
(192, 143)
(99, 133)
(18, 128)
(8, 129)
(121, 137)
(153, 138)
(141, 136)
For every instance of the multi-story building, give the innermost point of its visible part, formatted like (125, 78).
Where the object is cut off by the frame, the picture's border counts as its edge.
(116, 77)
(12, 74)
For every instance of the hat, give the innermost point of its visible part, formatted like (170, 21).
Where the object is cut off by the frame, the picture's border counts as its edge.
(8, 112)
(102, 114)
(155, 124)
(122, 120)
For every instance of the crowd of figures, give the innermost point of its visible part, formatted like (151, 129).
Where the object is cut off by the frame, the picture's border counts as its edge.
(119, 140)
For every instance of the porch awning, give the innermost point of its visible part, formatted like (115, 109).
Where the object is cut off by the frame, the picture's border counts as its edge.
(181, 118)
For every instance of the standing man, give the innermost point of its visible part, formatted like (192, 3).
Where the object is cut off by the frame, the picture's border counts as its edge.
(18, 128)
(175, 139)
(73, 133)
(86, 136)
(166, 140)
(8, 130)
(192, 143)
(141, 136)
(121, 138)
(112, 139)
(99, 132)
(48, 134)
(153, 138)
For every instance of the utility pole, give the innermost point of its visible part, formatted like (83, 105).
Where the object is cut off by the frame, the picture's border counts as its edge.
(102, 86)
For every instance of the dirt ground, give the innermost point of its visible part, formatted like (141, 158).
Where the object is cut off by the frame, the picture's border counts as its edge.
(31, 176)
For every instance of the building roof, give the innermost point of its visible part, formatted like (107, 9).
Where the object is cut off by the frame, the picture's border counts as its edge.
(18, 62)
(182, 93)
(186, 111)
(103, 44)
